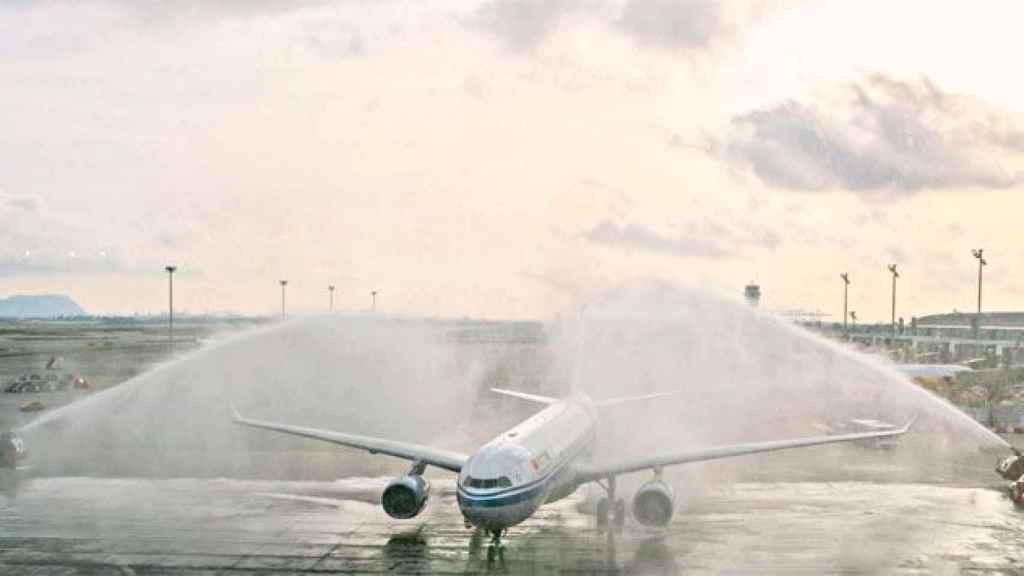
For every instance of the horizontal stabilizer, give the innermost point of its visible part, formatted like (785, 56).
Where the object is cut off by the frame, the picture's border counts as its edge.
(524, 396)
(627, 399)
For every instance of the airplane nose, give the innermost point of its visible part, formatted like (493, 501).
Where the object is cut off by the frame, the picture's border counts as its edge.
(496, 517)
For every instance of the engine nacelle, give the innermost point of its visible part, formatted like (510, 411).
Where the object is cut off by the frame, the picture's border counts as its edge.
(12, 449)
(405, 497)
(654, 504)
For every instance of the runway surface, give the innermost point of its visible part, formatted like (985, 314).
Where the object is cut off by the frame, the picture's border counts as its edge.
(136, 526)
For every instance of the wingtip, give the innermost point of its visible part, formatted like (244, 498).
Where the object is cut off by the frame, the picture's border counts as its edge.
(909, 423)
(235, 415)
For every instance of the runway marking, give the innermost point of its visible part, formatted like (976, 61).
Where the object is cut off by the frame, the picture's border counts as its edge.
(336, 546)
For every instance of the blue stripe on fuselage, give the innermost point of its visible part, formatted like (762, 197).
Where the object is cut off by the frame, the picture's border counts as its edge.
(506, 499)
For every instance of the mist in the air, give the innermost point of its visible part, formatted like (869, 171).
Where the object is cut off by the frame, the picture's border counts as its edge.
(740, 375)
(403, 379)
(736, 375)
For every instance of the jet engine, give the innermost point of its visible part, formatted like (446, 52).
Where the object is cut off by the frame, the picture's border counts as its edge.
(405, 496)
(12, 449)
(654, 504)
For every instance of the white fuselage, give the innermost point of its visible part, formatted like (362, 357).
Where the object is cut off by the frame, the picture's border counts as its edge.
(532, 464)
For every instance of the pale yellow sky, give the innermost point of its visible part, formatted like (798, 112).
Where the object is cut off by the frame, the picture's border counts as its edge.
(505, 159)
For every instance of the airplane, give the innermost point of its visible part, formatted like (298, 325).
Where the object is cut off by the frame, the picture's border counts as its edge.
(541, 460)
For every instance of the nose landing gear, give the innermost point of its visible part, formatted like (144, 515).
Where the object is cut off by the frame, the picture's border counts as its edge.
(496, 551)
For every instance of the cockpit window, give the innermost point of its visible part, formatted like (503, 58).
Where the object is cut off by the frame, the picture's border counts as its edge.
(488, 483)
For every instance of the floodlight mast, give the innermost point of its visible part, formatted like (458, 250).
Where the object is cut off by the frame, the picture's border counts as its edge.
(330, 289)
(846, 287)
(980, 255)
(373, 302)
(170, 304)
(895, 275)
(283, 284)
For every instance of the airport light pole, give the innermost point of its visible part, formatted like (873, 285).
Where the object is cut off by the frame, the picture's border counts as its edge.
(170, 303)
(373, 303)
(846, 287)
(895, 275)
(980, 255)
(283, 284)
(330, 289)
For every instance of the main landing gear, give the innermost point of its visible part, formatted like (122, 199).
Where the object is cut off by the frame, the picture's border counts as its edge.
(610, 506)
(496, 551)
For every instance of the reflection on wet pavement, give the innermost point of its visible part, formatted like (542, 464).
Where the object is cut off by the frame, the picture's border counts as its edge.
(79, 525)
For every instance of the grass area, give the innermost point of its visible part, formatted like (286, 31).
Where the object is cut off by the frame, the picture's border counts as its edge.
(104, 352)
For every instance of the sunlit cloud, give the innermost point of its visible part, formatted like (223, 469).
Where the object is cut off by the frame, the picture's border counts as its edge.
(884, 135)
(689, 240)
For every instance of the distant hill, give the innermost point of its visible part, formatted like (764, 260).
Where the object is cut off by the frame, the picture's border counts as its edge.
(39, 306)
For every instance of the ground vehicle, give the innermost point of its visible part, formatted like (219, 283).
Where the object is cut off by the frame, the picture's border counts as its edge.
(12, 449)
(1012, 469)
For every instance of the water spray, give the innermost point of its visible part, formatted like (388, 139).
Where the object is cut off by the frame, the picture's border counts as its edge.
(577, 374)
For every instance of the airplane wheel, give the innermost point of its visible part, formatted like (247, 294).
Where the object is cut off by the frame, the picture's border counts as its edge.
(620, 513)
(491, 553)
(603, 506)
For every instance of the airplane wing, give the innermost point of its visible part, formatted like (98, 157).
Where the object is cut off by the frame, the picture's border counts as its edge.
(600, 470)
(440, 458)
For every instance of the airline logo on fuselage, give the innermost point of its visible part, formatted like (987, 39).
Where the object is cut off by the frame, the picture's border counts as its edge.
(540, 461)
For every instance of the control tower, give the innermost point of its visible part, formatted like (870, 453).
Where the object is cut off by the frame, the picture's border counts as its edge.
(752, 294)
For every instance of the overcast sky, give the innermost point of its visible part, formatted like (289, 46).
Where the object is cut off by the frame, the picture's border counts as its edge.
(506, 159)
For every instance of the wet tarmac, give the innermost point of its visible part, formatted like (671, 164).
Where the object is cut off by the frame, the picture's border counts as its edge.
(136, 526)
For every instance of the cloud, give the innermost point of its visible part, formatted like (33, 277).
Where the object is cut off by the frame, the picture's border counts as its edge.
(39, 241)
(48, 29)
(523, 24)
(25, 203)
(707, 240)
(693, 25)
(639, 237)
(335, 40)
(161, 11)
(48, 263)
(885, 135)
(685, 24)
(664, 24)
